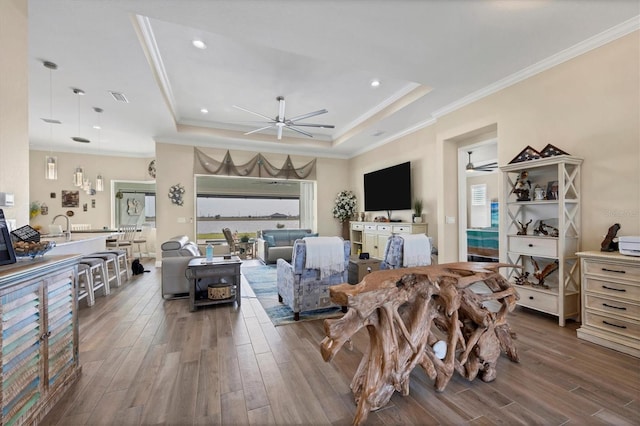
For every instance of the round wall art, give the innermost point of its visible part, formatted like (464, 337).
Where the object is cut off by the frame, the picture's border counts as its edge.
(152, 169)
(175, 194)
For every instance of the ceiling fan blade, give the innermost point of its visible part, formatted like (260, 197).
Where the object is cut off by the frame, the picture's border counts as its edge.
(254, 113)
(300, 131)
(259, 130)
(484, 169)
(281, 109)
(322, 126)
(307, 115)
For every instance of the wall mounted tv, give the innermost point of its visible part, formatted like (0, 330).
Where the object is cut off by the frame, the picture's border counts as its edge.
(388, 189)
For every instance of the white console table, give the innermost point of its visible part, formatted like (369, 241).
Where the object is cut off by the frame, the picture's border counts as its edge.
(371, 237)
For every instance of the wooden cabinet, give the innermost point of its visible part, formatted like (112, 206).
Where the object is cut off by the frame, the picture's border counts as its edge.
(358, 268)
(39, 345)
(611, 301)
(371, 237)
(553, 245)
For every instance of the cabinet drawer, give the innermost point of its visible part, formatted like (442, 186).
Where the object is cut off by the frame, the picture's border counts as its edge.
(534, 246)
(217, 271)
(401, 229)
(613, 270)
(370, 227)
(624, 327)
(357, 226)
(537, 300)
(384, 228)
(614, 306)
(616, 289)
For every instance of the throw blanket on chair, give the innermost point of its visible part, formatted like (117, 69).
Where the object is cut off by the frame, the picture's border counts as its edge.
(325, 254)
(416, 250)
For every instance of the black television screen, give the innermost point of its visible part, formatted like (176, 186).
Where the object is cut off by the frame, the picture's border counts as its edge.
(388, 189)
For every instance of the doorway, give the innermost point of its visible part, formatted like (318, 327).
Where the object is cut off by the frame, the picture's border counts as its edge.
(478, 193)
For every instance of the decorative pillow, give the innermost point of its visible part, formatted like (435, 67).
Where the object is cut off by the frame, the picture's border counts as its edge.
(270, 239)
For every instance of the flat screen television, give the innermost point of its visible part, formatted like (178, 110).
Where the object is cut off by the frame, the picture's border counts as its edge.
(388, 189)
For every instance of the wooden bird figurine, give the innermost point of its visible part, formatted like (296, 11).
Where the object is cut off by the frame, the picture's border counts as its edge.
(540, 275)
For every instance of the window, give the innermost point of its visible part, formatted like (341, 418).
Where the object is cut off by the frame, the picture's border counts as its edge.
(480, 212)
(244, 214)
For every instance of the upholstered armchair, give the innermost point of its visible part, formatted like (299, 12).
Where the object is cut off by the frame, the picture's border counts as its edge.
(304, 289)
(395, 249)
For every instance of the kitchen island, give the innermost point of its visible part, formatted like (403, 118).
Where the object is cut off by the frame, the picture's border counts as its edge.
(79, 243)
(39, 345)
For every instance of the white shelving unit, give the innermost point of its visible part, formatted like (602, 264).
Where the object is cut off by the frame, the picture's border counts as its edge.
(560, 293)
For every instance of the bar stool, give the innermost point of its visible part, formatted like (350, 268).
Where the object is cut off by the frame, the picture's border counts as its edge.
(85, 285)
(121, 260)
(97, 273)
(111, 264)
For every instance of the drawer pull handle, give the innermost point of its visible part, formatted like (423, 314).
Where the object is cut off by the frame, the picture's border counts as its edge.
(614, 325)
(622, 308)
(614, 289)
(530, 297)
(530, 245)
(614, 270)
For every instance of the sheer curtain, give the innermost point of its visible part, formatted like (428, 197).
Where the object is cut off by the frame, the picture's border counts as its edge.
(307, 204)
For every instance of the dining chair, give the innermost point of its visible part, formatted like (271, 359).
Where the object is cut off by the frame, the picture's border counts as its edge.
(142, 239)
(124, 239)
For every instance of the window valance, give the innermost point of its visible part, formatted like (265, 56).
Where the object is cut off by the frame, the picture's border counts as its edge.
(258, 166)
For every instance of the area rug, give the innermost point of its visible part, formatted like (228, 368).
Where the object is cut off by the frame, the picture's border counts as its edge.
(263, 282)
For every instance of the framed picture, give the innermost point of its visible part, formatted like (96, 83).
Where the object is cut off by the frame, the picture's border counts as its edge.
(552, 190)
(70, 198)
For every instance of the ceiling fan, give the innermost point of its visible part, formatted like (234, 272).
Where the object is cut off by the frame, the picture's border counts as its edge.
(483, 168)
(281, 121)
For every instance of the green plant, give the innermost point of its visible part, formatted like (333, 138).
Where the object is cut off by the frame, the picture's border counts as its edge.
(417, 207)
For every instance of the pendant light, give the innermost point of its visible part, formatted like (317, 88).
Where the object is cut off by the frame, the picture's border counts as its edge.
(99, 180)
(78, 176)
(51, 162)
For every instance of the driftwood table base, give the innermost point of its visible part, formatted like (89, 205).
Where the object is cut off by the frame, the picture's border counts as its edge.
(408, 314)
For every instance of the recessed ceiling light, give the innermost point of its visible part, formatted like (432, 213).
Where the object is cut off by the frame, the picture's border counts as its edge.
(375, 83)
(199, 44)
(97, 127)
(204, 110)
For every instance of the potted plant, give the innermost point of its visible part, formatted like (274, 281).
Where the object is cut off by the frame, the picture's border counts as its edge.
(417, 207)
(344, 209)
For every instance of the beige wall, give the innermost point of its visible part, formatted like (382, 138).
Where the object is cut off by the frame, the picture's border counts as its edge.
(14, 129)
(416, 147)
(175, 165)
(118, 168)
(588, 106)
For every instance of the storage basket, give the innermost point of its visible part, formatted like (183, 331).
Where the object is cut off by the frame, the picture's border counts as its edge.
(218, 292)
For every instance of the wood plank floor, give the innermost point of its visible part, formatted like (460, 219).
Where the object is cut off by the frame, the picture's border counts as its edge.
(147, 361)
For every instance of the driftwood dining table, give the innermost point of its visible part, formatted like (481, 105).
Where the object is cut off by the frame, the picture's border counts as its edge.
(427, 316)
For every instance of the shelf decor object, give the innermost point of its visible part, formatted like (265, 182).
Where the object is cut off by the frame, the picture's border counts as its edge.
(550, 151)
(548, 273)
(526, 154)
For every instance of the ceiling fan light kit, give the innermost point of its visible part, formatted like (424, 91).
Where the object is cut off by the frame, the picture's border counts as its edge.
(281, 122)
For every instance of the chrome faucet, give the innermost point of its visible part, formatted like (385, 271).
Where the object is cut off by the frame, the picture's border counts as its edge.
(67, 232)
